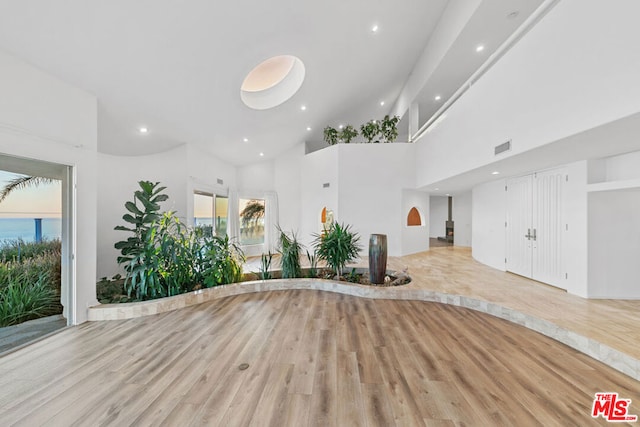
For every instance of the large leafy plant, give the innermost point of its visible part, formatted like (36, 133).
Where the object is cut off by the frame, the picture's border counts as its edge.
(337, 247)
(163, 257)
(139, 253)
(143, 212)
(226, 261)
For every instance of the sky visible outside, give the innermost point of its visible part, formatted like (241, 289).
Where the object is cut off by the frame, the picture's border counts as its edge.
(44, 201)
(203, 206)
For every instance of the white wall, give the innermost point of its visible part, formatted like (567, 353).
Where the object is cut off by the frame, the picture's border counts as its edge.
(575, 239)
(488, 215)
(461, 215)
(614, 244)
(257, 177)
(45, 119)
(371, 179)
(288, 185)
(438, 213)
(547, 87)
(415, 238)
(318, 168)
(626, 166)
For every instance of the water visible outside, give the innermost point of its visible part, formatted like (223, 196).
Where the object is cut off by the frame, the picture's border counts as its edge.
(25, 229)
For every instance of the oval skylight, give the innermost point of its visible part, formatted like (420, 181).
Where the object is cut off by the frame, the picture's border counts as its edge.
(272, 82)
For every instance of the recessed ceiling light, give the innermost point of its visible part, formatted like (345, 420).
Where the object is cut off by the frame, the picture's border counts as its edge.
(261, 154)
(303, 107)
(480, 48)
(340, 127)
(309, 128)
(437, 188)
(438, 98)
(495, 173)
(143, 130)
(246, 139)
(381, 103)
(375, 28)
(373, 121)
(448, 194)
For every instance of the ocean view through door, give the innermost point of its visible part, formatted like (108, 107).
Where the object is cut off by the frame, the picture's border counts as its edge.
(36, 289)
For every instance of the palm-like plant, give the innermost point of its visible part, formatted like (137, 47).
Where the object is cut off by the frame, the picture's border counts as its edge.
(23, 182)
(289, 249)
(252, 212)
(337, 247)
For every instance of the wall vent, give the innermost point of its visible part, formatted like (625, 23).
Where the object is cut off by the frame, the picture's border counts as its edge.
(326, 185)
(506, 146)
(220, 181)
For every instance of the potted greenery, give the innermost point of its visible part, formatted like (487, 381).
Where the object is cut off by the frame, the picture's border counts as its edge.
(289, 249)
(370, 130)
(389, 128)
(348, 133)
(337, 246)
(331, 135)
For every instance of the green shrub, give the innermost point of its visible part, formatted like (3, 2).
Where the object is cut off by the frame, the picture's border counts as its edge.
(337, 247)
(22, 299)
(226, 261)
(289, 249)
(19, 250)
(313, 264)
(265, 265)
(164, 258)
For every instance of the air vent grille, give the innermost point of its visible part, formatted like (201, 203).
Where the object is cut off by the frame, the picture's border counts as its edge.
(220, 181)
(506, 146)
(326, 185)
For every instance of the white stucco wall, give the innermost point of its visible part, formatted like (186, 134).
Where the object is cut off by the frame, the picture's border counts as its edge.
(462, 219)
(488, 217)
(45, 119)
(552, 84)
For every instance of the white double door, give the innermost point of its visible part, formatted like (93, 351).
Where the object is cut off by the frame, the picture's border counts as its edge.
(534, 226)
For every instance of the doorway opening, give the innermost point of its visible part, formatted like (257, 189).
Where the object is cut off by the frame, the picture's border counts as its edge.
(36, 286)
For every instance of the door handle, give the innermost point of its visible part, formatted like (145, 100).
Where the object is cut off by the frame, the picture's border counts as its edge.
(534, 235)
(528, 235)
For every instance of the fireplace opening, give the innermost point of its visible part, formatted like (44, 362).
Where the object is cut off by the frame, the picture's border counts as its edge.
(448, 224)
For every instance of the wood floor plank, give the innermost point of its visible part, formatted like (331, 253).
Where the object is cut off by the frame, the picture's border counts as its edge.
(315, 358)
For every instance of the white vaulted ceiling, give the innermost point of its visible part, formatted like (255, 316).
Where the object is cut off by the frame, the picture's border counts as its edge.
(176, 67)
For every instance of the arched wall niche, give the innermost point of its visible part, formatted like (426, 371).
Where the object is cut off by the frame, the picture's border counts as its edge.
(414, 218)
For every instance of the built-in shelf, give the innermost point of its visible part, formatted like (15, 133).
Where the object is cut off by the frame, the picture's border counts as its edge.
(627, 184)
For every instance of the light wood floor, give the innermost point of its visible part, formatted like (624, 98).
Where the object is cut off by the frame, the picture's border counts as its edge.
(452, 270)
(315, 358)
(327, 359)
